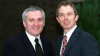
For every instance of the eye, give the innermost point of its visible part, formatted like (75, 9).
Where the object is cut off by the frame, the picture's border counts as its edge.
(69, 14)
(61, 15)
(40, 19)
(30, 20)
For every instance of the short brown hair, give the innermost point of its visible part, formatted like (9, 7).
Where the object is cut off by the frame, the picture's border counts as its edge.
(65, 3)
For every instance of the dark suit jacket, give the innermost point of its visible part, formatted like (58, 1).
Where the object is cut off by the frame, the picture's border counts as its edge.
(79, 44)
(21, 46)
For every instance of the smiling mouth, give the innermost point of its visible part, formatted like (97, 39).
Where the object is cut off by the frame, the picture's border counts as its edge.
(35, 28)
(66, 23)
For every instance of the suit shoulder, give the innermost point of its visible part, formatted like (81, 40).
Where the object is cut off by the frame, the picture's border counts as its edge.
(59, 38)
(45, 39)
(86, 36)
(15, 38)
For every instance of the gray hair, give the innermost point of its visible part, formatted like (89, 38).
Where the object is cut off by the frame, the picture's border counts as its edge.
(32, 8)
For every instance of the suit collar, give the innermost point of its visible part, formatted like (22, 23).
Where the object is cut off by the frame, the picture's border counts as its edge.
(32, 39)
(28, 46)
(44, 45)
(59, 43)
(73, 37)
(70, 33)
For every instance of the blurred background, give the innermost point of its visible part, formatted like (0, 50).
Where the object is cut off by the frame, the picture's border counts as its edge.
(11, 18)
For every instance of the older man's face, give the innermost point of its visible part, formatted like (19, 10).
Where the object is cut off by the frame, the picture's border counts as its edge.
(34, 22)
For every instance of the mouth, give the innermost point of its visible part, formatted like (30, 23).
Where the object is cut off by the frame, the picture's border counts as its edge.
(35, 28)
(66, 23)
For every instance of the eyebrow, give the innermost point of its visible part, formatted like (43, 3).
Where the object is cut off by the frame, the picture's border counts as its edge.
(40, 18)
(61, 13)
(69, 12)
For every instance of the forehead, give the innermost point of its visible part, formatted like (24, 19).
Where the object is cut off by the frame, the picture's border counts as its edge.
(35, 14)
(66, 9)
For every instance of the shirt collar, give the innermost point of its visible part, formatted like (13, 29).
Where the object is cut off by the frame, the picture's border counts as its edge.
(70, 32)
(32, 38)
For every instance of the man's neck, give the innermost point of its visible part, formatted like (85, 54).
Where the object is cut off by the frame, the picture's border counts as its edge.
(67, 30)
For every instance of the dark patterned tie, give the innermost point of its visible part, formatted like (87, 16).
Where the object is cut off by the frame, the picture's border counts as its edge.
(64, 44)
(38, 48)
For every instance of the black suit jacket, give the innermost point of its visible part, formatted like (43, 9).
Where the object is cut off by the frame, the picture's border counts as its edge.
(21, 46)
(79, 44)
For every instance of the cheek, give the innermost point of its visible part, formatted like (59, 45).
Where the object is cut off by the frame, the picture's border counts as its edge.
(41, 24)
(28, 26)
(59, 20)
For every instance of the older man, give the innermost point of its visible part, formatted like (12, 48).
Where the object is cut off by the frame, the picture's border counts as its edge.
(30, 42)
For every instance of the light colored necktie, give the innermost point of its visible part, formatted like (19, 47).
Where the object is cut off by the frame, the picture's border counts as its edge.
(64, 44)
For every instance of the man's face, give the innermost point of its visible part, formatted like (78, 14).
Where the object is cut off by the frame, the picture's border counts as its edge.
(66, 17)
(34, 23)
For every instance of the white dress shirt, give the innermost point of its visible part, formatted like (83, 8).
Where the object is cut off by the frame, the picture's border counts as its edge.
(32, 40)
(68, 37)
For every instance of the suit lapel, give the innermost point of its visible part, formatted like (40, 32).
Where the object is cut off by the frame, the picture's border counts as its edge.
(59, 45)
(73, 37)
(44, 45)
(28, 46)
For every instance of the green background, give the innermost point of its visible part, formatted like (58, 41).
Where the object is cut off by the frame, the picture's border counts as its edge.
(89, 18)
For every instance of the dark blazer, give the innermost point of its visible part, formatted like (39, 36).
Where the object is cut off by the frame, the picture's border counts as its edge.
(21, 46)
(79, 44)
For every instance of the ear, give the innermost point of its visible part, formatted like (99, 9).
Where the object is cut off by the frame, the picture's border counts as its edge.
(57, 19)
(76, 18)
(24, 23)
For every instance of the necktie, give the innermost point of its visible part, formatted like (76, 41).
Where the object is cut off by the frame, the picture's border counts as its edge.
(64, 44)
(38, 48)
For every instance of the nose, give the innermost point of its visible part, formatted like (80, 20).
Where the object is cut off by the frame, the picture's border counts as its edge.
(36, 23)
(65, 17)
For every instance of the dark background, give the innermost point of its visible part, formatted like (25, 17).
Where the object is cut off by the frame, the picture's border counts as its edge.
(11, 19)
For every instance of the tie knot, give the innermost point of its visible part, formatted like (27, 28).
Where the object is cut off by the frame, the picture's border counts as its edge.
(65, 36)
(36, 40)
